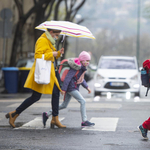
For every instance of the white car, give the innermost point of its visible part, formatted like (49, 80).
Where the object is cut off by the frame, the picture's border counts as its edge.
(117, 74)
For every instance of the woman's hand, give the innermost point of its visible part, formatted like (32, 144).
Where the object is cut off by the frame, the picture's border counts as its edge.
(62, 50)
(55, 54)
(89, 90)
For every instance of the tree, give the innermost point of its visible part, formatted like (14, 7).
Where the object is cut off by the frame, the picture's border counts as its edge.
(146, 11)
(17, 41)
(42, 10)
(71, 9)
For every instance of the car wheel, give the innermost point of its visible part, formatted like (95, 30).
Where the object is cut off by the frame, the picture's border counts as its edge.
(137, 94)
(97, 93)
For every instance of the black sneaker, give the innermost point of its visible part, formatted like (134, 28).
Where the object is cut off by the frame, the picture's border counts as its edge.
(44, 118)
(143, 132)
(87, 124)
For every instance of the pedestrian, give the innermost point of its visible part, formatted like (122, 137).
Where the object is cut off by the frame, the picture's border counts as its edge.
(144, 127)
(44, 45)
(71, 88)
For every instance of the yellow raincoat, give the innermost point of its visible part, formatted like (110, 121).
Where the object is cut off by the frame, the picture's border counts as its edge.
(43, 46)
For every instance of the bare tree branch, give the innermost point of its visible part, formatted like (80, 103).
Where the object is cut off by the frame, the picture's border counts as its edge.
(80, 5)
(36, 7)
(34, 2)
(19, 7)
(56, 10)
(50, 10)
(77, 8)
(39, 8)
(72, 4)
(66, 6)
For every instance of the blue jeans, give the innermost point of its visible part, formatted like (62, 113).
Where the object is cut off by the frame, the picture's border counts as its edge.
(77, 95)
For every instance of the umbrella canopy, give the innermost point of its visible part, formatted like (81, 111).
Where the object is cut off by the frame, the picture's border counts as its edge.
(67, 28)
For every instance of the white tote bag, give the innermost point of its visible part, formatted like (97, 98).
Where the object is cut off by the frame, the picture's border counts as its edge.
(42, 71)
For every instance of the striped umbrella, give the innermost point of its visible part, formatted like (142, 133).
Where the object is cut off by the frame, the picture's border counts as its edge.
(67, 28)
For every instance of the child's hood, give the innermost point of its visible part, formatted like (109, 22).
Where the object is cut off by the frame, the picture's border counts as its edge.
(74, 63)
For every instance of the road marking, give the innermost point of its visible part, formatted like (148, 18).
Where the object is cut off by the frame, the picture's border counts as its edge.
(76, 105)
(103, 124)
(141, 100)
(37, 124)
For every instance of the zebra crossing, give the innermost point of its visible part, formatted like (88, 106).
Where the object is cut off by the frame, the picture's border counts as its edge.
(36, 124)
(101, 123)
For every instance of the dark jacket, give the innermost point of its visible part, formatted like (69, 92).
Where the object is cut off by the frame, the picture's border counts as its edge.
(69, 83)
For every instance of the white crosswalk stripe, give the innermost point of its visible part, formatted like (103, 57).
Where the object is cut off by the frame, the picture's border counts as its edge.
(37, 124)
(76, 105)
(103, 124)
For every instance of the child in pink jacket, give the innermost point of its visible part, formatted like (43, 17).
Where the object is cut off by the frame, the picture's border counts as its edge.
(71, 88)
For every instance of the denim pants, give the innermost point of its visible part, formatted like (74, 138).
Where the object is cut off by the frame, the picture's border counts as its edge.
(77, 95)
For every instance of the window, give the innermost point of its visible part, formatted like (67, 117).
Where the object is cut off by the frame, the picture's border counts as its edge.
(107, 63)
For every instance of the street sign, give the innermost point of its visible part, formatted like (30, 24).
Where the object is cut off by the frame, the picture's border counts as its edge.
(6, 24)
(5, 29)
(8, 30)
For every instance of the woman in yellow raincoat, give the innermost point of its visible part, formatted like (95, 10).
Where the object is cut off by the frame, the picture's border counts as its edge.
(44, 45)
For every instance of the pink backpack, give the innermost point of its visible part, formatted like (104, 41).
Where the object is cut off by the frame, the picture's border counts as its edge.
(65, 66)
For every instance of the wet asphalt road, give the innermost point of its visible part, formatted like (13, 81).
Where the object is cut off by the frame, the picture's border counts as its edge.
(116, 122)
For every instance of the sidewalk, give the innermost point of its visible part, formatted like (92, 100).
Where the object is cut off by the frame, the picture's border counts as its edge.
(83, 91)
(17, 95)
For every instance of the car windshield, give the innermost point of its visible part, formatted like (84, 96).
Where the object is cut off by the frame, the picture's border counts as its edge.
(107, 63)
(28, 62)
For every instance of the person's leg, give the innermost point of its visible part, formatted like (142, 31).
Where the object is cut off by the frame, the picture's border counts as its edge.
(55, 105)
(55, 97)
(144, 128)
(77, 95)
(26, 103)
(46, 115)
(146, 124)
(66, 101)
(63, 105)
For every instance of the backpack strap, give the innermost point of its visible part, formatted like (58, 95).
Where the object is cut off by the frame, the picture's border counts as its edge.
(147, 90)
(76, 73)
(148, 83)
(76, 78)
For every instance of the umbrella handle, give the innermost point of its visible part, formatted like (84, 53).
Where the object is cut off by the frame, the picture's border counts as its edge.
(63, 42)
(64, 39)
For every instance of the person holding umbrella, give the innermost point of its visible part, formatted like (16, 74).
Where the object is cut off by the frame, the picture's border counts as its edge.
(44, 45)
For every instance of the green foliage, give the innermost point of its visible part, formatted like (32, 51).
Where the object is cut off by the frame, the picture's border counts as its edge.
(146, 11)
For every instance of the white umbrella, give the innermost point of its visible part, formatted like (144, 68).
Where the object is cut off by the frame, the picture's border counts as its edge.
(67, 28)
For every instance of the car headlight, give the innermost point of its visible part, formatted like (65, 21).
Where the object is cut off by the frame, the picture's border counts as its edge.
(97, 85)
(136, 86)
(134, 77)
(98, 77)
